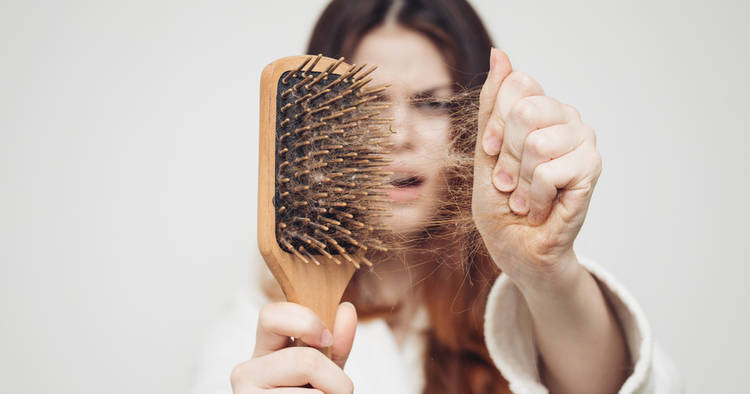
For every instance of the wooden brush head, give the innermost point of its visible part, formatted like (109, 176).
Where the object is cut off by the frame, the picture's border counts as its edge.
(321, 182)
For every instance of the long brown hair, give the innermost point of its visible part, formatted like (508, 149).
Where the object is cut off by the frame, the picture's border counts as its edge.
(456, 358)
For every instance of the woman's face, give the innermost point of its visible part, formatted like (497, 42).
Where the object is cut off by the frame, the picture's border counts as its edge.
(416, 71)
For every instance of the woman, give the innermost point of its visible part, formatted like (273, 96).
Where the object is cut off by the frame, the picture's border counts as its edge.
(437, 316)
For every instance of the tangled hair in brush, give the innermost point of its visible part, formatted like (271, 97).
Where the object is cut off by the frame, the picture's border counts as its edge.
(331, 147)
(453, 217)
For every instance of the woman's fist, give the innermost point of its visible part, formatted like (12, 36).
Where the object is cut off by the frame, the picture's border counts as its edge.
(536, 165)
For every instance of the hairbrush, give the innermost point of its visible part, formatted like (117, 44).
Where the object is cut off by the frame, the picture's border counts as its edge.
(321, 184)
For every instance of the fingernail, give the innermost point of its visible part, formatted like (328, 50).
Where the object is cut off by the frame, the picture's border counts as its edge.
(517, 204)
(326, 339)
(503, 181)
(493, 58)
(491, 146)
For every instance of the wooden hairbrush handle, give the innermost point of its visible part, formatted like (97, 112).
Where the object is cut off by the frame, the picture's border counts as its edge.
(319, 288)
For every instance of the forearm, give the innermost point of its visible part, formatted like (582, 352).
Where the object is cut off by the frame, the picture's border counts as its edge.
(579, 340)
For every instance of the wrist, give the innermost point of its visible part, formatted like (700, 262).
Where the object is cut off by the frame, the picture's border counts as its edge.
(559, 280)
(566, 301)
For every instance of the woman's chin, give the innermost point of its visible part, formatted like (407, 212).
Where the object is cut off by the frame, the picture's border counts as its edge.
(406, 219)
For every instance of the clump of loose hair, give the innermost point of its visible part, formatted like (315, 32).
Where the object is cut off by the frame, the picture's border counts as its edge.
(453, 218)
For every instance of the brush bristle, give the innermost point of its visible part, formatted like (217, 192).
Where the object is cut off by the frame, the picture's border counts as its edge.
(330, 152)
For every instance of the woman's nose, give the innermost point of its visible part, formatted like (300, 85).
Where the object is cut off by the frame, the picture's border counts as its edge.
(402, 127)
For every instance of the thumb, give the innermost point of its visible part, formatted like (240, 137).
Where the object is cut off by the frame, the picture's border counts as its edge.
(343, 333)
(491, 125)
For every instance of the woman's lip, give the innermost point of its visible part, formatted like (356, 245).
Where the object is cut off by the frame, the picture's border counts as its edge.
(405, 194)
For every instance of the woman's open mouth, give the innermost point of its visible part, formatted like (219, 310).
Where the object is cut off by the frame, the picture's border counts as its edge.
(406, 187)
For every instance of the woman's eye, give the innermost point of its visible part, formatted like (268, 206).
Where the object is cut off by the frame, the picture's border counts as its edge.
(431, 104)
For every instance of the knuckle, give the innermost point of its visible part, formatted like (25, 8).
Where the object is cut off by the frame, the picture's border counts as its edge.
(238, 373)
(539, 145)
(572, 111)
(597, 162)
(265, 316)
(521, 80)
(264, 311)
(307, 360)
(524, 111)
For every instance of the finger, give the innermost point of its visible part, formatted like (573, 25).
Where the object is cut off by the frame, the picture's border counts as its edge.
(514, 87)
(500, 67)
(298, 366)
(529, 113)
(280, 320)
(247, 378)
(541, 146)
(343, 333)
(484, 162)
(293, 390)
(576, 171)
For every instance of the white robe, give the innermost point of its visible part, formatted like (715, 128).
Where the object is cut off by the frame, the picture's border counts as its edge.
(378, 365)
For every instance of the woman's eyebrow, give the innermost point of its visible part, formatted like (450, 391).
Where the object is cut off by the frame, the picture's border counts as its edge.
(431, 92)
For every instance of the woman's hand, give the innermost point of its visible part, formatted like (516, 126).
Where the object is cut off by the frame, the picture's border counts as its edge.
(536, 165)
(276, 365)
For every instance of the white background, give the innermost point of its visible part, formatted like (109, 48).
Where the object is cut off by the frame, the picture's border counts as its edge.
(128, 173)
